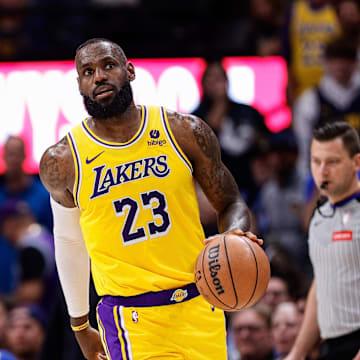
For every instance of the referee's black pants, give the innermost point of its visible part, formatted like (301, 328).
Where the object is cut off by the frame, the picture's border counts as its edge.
(343, 347)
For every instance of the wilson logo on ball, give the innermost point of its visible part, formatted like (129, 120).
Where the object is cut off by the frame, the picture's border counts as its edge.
(214, 267)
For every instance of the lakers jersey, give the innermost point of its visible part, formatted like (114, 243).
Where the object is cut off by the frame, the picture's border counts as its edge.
(310, 31)
(139, 212)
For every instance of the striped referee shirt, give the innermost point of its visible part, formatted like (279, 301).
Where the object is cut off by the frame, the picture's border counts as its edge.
(334, 245)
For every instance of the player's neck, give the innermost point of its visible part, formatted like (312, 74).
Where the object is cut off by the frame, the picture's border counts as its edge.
(119, 128)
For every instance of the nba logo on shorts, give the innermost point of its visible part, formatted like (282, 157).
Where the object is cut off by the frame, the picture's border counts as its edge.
(179, 295)
(135, 316)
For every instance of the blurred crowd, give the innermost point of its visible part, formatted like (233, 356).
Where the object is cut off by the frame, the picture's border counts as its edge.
(319, 39)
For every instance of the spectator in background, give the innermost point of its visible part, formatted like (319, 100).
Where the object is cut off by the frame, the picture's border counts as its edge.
(4, 310)
(257, 32)
(15, 183)
(26, 332)
(348, 12)
(309, 26)
(34, 244)
(285, 326)
(13, 35)
(276, 292)
(4, 314)
(337, 97)
(279, 206)
(267, 18)
(238, 126)
(288, 281)
(251, 333)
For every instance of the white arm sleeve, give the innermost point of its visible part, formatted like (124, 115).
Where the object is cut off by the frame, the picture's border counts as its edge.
(72, 259)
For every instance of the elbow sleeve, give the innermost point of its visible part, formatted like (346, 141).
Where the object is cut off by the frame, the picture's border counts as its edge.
(72, 259)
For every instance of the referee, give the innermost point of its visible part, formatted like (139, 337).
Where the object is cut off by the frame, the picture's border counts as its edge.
(333, 304)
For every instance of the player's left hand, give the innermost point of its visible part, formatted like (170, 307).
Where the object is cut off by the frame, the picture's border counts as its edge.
(251, 236)
(357, 357)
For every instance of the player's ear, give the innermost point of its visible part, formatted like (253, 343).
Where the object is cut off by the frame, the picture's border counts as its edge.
(130, 70)
(356, 159)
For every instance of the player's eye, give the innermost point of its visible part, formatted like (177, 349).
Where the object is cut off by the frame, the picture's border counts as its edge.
(110, 66)
(88, 72)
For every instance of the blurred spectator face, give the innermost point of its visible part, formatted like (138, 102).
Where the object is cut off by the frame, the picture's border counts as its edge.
(341, 69)
(25, 334)
(262, 167)
(214, 82)
(14, 155)
(251, 334)
(349, 15)
(262, 10)
(285, 327)
(13, 4)
(276, 292)
(3, 321)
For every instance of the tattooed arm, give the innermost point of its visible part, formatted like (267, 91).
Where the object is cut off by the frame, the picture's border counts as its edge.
(57, 172)
(200, 145)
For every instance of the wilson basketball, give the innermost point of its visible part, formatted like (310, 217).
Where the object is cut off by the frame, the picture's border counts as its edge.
(232, 272)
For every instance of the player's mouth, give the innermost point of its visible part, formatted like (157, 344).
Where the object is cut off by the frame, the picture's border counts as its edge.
(103, 92)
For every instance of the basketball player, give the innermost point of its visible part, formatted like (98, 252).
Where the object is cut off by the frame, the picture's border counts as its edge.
(122, 188)
(333, 304)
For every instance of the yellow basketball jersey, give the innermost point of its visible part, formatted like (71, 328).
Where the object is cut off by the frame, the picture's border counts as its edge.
(139, 211)
(310, 31)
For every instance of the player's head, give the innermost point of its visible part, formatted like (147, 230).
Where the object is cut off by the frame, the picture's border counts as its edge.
(335, 159)
(341, 59)
(285, 326)
(251, 330)
(26, 331)
(14, 155)
(214, 81)
(104, 76)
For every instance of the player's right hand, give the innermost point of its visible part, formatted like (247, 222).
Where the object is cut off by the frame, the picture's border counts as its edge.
(90, 344)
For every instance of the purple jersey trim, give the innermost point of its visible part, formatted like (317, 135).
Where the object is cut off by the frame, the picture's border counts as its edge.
(159, 298)
(175, 147)
(118, 146)
(78, 164)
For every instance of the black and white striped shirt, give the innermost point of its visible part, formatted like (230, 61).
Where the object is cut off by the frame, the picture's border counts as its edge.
(334, 245)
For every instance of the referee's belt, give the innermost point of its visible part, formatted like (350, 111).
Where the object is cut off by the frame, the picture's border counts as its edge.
(154, 298)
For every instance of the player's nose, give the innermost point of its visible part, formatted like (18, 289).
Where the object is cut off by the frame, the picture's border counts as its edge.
(100, 75)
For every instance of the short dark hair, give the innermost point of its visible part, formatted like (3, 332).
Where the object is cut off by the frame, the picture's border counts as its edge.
(331, 130)
(98, 40)
(341, 48)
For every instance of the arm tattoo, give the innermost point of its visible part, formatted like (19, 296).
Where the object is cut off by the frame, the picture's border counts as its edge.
(205, 138)
(52, 171)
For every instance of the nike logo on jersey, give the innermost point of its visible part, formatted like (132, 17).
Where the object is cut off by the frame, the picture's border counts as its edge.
(88, 161)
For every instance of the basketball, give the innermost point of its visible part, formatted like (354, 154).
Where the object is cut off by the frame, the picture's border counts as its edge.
(232, 272)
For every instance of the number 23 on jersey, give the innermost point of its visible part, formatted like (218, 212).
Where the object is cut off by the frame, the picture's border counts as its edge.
(130, 208)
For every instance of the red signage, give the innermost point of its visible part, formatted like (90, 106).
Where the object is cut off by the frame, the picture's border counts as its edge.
(40, 100)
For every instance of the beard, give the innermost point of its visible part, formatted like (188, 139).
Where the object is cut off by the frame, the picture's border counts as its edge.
(118, 106)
